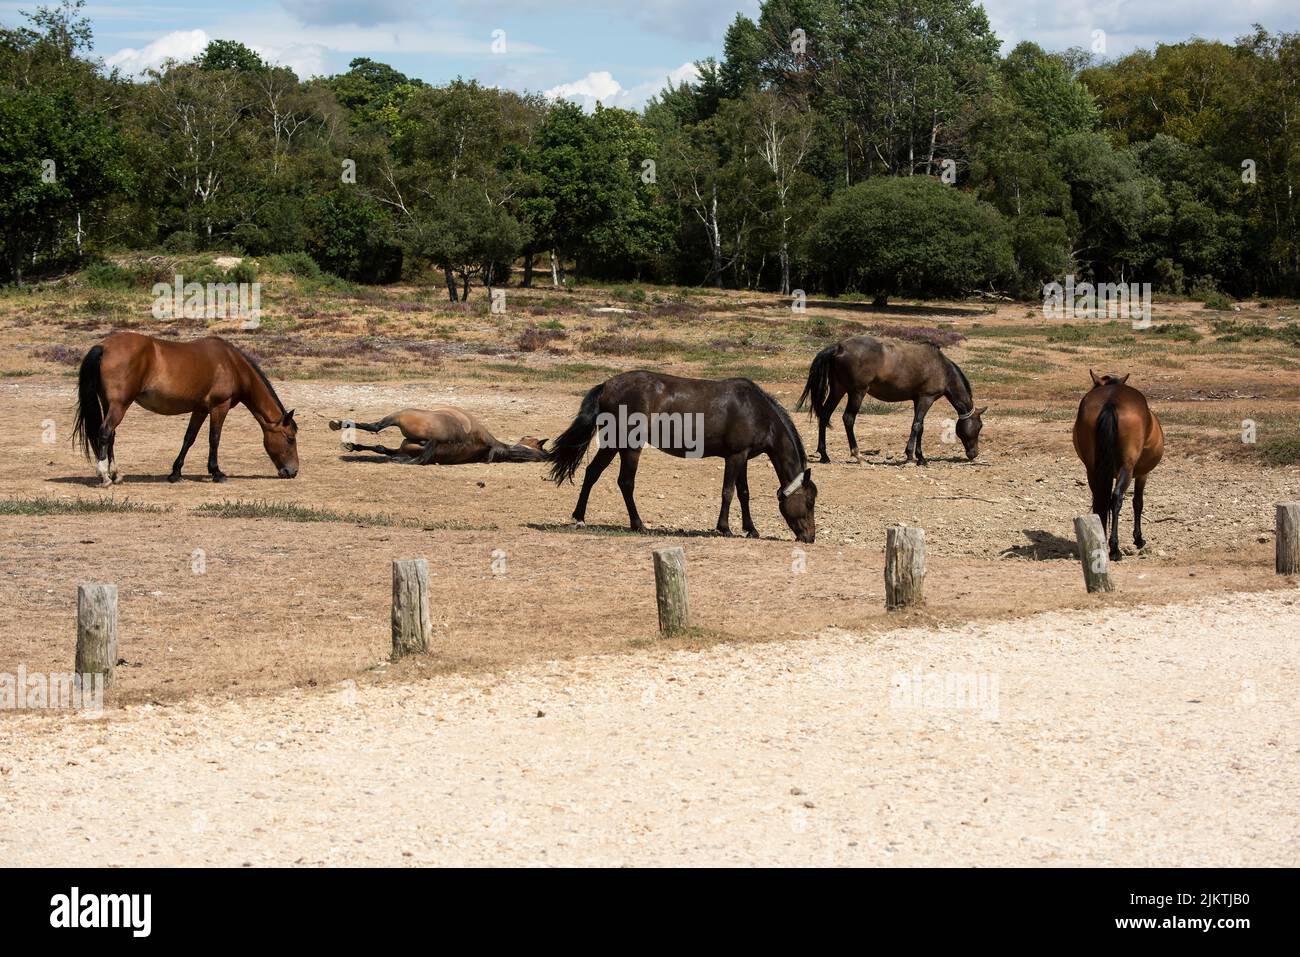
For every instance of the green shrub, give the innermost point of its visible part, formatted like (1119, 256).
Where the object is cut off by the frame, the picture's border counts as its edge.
(181, 241)
(297, 264)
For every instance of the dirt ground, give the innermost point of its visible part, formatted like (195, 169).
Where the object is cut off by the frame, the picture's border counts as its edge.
(228, 606)
(1156, 736)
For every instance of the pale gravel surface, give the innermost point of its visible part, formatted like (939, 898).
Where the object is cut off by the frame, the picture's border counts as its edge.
(1161, 736)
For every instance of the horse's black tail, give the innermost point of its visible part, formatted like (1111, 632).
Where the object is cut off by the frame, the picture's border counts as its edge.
(1106, 454)
(567, 452)
(518, 453)
(818, 387)
(90, 404)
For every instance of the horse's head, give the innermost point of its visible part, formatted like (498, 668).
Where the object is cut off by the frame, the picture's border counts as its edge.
(1100, 380)
(529, 442)
(968, 430)
(797, 501)
(280, 440)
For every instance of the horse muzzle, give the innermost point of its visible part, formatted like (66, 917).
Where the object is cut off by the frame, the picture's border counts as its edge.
(288, 473)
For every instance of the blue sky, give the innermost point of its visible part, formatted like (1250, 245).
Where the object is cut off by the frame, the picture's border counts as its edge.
(618, 51)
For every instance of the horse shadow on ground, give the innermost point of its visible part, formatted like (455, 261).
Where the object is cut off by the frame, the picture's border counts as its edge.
(898, 309)
(93, 481)
(592, 528)
(1043, 546)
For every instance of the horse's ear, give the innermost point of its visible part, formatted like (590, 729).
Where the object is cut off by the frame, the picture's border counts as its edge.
(807, 475)
(1124, 377)
(1095, 379)
(288, 417)
(981, 411)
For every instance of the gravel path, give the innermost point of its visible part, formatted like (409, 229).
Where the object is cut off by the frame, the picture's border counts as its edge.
(1162, 736)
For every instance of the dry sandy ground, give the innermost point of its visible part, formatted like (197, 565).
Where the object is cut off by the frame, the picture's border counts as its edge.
(1159, 736)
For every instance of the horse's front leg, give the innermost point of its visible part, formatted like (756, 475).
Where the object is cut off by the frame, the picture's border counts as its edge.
(728, 487)
(218, 418)
(920, 407)
(627, 463)
(742, 491)
(191, 433)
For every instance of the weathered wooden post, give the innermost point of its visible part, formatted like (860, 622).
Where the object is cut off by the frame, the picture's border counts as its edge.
(670, 590)
(1094, 553)
(412, 627)
(1288, 538)
(904, 565)
(96, 630)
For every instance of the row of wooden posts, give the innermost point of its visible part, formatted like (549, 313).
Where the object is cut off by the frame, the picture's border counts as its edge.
(412, 625)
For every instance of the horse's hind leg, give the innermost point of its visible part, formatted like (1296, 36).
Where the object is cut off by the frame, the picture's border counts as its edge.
(107, 465)
(191, 432)
(1117, 500)
(850, 417)
(832, 400)
(1139, 486)
(627, 463)
(379, 449)
(599, 462)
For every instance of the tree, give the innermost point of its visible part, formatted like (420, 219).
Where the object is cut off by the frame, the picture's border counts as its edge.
(913, 234)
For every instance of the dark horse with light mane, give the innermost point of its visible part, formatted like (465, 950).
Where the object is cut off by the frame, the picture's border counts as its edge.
(206, 378)
(891, 371)
(1118, 439)
(737, 421)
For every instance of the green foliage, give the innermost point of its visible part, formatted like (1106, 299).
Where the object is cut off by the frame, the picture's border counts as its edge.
(912, 234)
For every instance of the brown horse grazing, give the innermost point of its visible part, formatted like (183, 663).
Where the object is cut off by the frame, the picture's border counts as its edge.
(892, 371)
(443, 436)
(1118, 439)
(690, 418)
(206, 377)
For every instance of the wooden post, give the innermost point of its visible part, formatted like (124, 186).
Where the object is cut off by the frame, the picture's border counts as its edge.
(412, 627)
(1094, 553)
(96, 630)
(670, 590)
(904, 566)
(1288, 538)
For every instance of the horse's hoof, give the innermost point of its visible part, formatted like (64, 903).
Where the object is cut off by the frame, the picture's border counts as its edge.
(348, 446)
(854, 460)
(725, 532)
(640, 529)
(218, 477)
(174, 477)
(579, 523)
(825, 459)
(335, 425)
(922, 463)
(106, 482)
(118, 478)
(752, 533)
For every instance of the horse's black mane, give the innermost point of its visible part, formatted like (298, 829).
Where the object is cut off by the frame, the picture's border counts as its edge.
(961, 375)
(784, 416)
(261, 375)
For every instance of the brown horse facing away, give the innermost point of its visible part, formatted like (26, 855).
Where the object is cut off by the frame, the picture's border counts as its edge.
(1119, 439)
(444, 436)
(732, 419)
(206, 378)
(891, 371)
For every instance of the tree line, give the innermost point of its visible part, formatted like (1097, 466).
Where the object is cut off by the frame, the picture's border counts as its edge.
(840, 146)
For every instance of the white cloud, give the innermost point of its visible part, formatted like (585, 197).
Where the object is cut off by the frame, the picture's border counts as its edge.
(601, 87)
(177, 45)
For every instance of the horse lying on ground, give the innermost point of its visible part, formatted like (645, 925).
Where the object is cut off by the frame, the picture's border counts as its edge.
(444, 436)
(891, 371)
(1118, 439)
(736, 421)
(206, 378)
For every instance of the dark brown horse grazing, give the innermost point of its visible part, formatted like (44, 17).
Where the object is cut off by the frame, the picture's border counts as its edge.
(206, 377)
(892, 371)
(1118, 439)
(443, 436)
(732, 419)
